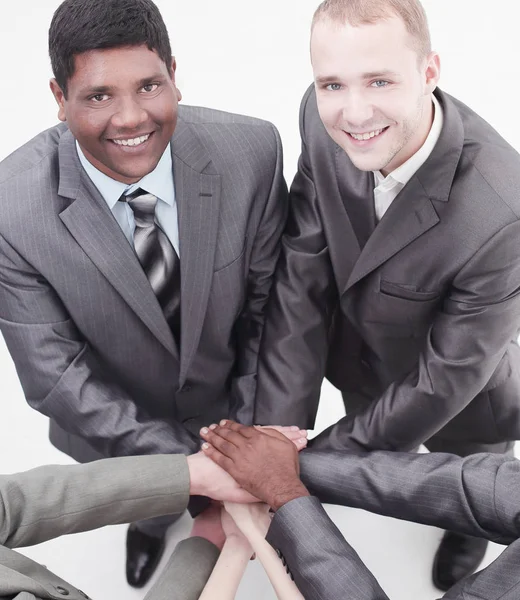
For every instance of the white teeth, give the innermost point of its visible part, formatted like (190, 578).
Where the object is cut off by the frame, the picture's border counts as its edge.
(366, 136)
(133, 142)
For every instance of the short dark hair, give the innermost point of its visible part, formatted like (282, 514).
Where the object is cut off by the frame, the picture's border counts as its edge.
(82, 25)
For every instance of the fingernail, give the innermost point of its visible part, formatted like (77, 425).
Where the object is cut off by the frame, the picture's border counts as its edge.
(212, 427)
(295, 428)
(302, 440)
(204, 430)
(223, 422)
(205, 446)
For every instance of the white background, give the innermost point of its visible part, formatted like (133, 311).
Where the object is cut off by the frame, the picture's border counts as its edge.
(252, 58)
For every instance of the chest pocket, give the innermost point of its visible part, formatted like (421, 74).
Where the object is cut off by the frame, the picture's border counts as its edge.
(404, 310)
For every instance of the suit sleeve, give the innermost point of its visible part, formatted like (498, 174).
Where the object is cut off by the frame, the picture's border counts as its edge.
(55, 367)
(51, 501)
(464, 346)
(323, 564)
(476, 495)
(264, 256)
(294, 347)
(186, 572)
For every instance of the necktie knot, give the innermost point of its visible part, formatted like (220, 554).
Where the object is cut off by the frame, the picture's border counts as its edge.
(143, 206)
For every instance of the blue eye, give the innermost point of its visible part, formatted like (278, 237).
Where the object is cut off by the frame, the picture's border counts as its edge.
(333, 87)
(379, 83)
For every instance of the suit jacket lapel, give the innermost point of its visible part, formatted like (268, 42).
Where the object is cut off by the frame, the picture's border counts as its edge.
(197, 190)
(95, 229)
(412, 213)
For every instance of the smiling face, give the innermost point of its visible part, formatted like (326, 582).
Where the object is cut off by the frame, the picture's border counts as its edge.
(121, 107)
(373, 93)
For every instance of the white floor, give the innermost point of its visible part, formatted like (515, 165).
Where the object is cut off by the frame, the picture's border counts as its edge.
(399, 553)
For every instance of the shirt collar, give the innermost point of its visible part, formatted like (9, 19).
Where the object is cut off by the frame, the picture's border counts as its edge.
(407, 170)
(159, 182)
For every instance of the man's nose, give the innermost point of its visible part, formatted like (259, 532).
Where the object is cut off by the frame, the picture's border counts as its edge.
(357, 111)
(129, 115)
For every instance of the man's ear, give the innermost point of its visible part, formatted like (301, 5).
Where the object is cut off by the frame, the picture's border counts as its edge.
(432, 72)
(59, 96)
(173, 68)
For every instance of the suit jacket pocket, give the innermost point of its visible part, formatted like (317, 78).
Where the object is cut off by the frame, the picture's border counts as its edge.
(400, 310)
(406, 292)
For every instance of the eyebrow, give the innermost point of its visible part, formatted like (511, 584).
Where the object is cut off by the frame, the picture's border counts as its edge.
(326, 79)
(376, 74)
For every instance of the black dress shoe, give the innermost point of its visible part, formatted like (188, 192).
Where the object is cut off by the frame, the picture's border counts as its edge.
(458, 556)
(143, 553)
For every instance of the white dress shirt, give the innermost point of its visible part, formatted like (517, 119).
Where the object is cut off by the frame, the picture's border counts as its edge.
(388, 187)
(159, 182)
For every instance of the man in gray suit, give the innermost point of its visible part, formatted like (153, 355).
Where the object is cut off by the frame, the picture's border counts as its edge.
(137, 245)
(51, 501)
(400, 271)
(476, 496)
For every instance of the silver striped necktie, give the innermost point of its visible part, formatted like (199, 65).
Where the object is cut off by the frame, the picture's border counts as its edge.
(157, 256)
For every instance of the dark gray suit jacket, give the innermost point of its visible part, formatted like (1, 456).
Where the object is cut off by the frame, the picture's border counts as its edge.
(478, 495)
(48, 502)
(418, 329)
(87, 335)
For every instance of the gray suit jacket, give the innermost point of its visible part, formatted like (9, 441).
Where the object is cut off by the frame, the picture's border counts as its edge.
(478, 495)
(87, 335)
(57, 500)
(418, 328)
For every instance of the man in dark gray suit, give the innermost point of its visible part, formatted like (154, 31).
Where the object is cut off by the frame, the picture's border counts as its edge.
(52, 501)
(477, 495)
(400, 271)
(137, 245)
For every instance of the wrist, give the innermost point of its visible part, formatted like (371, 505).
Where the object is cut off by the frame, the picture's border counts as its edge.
(196, 485)
(287, 495)
(238, 542)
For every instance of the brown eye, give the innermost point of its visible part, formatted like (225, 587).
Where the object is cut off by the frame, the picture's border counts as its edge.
(150, 87)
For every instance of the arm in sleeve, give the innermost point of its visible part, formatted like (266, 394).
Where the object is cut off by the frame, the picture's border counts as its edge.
(324, 565)
(467, 340)
(294, 347)
(47, 502)
(262, 265)
(55, 367)
(477, 495)
(186, 572)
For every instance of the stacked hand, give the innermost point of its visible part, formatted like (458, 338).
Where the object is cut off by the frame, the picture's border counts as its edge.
(263, 461)
(242, 465)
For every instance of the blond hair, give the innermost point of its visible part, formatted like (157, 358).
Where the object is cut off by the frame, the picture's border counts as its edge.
(364, 12)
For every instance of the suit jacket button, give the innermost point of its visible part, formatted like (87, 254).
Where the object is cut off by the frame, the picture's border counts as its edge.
(61, 590)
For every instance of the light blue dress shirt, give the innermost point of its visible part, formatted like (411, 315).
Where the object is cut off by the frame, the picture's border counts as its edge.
(159, 183)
